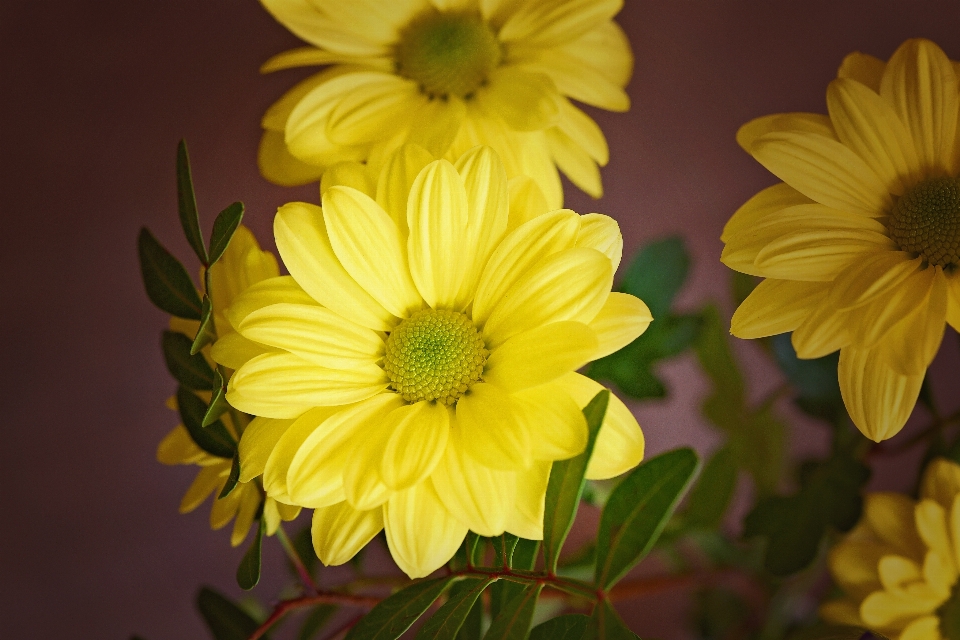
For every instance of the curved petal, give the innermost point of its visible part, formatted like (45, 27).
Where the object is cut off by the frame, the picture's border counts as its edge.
(864, 68)
(368, 245)
(278, 462)
(776, 306)
(622, 319)
(899, 303)
(259, 440)
(557, 425)
(312, 56)
(246, 512)
(923, 628)
(437, 123)
(552, 22)
(363, 113)
(525, 520)
(540, 355)
(177, 447)
(280, 167)
(526, 201)
(819, 254)
(421, 533)
(941, 482)
(363, 485)
(878, 399)
(525, 101)
(418, 438)
(335, 31)
(349, 174)
(602, 233)
(823, 331)
(772, 199)
(915, 340)
(953, 301)
(307, 253)
(584, 132)
(931, 520)
(224, 509)
(891, 517)
(340, 531)
(396, 178)
(279, 290)
(203, 485)
(815, 123)
(493, 429)
(575, 162)
(874, 276)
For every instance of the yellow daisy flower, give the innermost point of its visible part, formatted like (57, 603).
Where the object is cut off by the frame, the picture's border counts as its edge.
(449, 75)
(899, 565)
(242, 264)
(419, 363)
(860, 244)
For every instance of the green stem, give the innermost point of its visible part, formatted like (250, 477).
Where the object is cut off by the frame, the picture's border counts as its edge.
(296, 561)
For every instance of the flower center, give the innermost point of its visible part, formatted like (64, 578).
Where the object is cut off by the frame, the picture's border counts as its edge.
(926, 221)
(447, 53)
(434, 355)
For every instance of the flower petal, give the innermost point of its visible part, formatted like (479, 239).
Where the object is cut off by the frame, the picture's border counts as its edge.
(931, 519)
(177, 447)
(552, 22)
(525, 101)
(823, 331)
(776, 306)
(280, 167)
(340, 531)
(941, 482)
(396, 179)
(203, 485)
(891, 517)
(363, 485)
(362, 114)
(584, 132)
(525, 520)
(279, 290)
(437, 123)
(246, 512)
(493, 429)
(348, 174)
(526, 201)
(899, 303)
(334, 26)
(575, 162)
(278, 462)
(953, 302)
(540, 355)
(259, 440)
(602, 233)
(818, 254)
(556, 422)
(772, 199)
(418, 438)
(816, 123)
(915, 340)
(864, 68)
(874, 276)
(621, 320)
(924, 628)
(878, 398)
(312, 56)
(421, 533)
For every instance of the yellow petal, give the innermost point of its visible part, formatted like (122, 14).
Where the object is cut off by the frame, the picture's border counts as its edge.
(421, 533)
(396, 178)
(878, 398)
(177, 447)
(863, 68)
(622, 320)
(874, 276)
(362, 483)
(257, 443)
(602, 233)
(305, 247)
(818, 254)
(953, 302)
(955, 528)
(823, 169)
(277, 165)
(883, 609)
(583, 132)
(494, 431)
(814, 123)
(931, 519)
(921, 85)
(437, 123)
(526, 201)
(553, 22)
(779, 196)
(540, 355)
(368, 245)
(208, 479)
(844, 612)
(418, 438)
(246, 511)
(312, 56)
(855, 565)
(568, 285)
(224, 509)
(891, 517)
(525, 101)
(526, 518)
(557, 425)
(900, 301)
(823, 331)
(925, 628)
(940, 573)
(340, 531)
(273, 378)
(279, 459)
(897, 571)
(348, 174)
(322, 28)
(282, 289)
(913, 342)
(363, 113)
(478, 496)
(276, 116)
(575, 162)
(941, 482)
(520, 250)
(233, 350)
(776, 306)
(313, 333)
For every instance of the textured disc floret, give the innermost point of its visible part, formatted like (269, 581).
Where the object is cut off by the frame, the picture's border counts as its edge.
(447, 53)
(926, 221)
(434, 355)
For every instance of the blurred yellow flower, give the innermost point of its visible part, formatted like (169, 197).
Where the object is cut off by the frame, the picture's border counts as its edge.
(418, 366)
(860, 244)
(242, 265)
(899, 565)
(448, 75)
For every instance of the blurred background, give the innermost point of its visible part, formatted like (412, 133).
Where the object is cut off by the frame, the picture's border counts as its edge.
(94, 97)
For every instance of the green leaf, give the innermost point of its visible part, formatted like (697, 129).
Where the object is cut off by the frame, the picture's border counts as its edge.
(711, 494)
(760, 447)
(303, 544)
(839, 632)
(207, 333)
(392, 617)
(637, 511)
(218, 402)
(657, 273)
(187, 203)
(513, 622)
(605, 624)
(248, 573)
(569, 627)
(503, 546)
(223, 229)
(225, 619)
(816, 381)
(233, 479)
(720, 613)
(724, 406)
(214, 439)
(742, 286)
(447, 621)
(525, 554)
(794, 525)
(167, 283)
(566, 485)
(314, 622)
(190, 370)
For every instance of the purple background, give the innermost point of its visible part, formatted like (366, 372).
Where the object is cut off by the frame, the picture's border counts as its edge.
(95, 95)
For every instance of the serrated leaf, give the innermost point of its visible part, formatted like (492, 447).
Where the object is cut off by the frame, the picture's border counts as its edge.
(711, 494)
(223, 229)
(449, 618)
(232, 480)
(190, 370)
(605, 624)
(187, 203)
(314, 622)
(214, 439)
(565, 486)
(637, 511)
(225, 619)
(392, 617)
(513, 621)
(248, 573)
(569, 627)
(168, 285)
(657, 273)
(207, 333)
(218, 402)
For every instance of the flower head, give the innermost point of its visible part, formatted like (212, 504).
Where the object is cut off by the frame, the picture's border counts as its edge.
(448, 76)
(418, 365)
(860, 244)
(899, 566)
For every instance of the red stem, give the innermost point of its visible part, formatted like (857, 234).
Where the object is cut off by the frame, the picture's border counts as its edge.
(307, 601)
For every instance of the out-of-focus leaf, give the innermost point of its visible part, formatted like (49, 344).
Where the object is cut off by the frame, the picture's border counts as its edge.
(315, 621)
(218, 402)
(742, 286)
(248, 573)
(449, 618)
(190, 370)
(513, 621)
(223, 229)
(568, 627)
(816, 381)
(711, 494)
(760, 447)
(214, 439)
(605, 624)
(207, 333)
(657, 273)
(566, 485)
(389, 619)
(637, 511)
(167, 283)
(793, 525)
(303, 545)
(719, 613)
(233, 479)
(838, 632)
(725, 405)
(187, 204)
(225, 619)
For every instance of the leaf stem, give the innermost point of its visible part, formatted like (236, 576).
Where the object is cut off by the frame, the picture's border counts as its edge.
(324, 597)
(296, 561)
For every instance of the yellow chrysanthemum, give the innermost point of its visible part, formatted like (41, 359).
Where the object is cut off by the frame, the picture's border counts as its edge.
(242, 264)
(449, 75)
(418, 365)
(899, 565)
(860, 244)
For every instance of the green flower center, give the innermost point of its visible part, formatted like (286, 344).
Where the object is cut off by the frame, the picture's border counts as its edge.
(434, 355)
(447, 53)
(926, 221)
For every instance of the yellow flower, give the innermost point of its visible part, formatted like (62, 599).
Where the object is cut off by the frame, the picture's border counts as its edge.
(899, 565)
(242, 265)
(419, 363)
(448, 75)
(860, 244)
